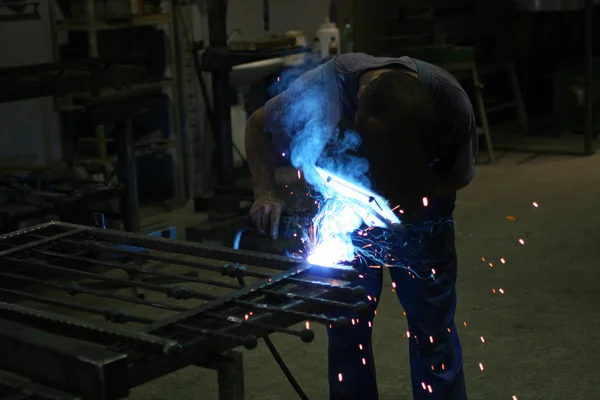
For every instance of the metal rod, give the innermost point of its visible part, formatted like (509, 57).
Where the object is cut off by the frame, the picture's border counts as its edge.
(197, 265)
(217, 35)
(166, 345)
(276, 310)
(589, 49)
(128, 176)
(75, 288)
(177, 292)
(37, 243)
(112, 315)
(108, 264)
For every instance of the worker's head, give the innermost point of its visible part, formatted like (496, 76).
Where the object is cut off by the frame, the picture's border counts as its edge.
(396, 121)
(397, 104)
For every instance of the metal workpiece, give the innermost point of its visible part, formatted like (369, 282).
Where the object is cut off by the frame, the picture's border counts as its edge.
(96, 312)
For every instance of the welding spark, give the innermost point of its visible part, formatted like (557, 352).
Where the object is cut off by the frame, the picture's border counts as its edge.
(346, 207)
(340, 377)
(521, 241)
(536, 205)
(481, 366)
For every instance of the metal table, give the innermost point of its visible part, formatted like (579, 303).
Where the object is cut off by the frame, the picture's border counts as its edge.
(180, 304)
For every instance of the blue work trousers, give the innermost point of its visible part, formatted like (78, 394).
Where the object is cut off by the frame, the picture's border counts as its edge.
(427, 293)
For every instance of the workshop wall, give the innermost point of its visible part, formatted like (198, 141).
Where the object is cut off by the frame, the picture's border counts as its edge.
(305, 15)
(29, 130)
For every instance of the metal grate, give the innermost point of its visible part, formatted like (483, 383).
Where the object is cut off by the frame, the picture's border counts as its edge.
(113, 309)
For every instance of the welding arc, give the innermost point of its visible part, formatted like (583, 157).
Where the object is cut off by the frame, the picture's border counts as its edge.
(284, 368)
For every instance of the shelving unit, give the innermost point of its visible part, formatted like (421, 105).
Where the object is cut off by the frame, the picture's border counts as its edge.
(91, 25)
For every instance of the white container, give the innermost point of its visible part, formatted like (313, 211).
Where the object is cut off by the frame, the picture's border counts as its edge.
(325, 33)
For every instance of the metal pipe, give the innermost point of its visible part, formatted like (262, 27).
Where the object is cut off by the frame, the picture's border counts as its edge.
(589, 111)
(130, 206)
(217, 36)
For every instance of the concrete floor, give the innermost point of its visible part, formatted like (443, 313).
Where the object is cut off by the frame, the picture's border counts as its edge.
(541, 335)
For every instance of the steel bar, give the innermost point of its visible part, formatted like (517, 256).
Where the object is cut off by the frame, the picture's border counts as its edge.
(108, 264)
(37, 243)
(167, 346)
(76, 367)
(130, 206)
(177, 292)
(75, 288)
(109, 314)
(197, 265)
(215, 252)
(241, 294)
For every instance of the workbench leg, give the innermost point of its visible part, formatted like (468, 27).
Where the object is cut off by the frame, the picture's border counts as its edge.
(482, 114)
(230, 374)
(130, 206)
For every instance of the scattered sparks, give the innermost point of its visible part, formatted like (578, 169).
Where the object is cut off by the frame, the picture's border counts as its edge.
(494, 291)
(501, 291)
(481, 366)
(443, 367)
(429, 389)
(433, 271)
(424, 385)
(340, 377)
(515, 397)
(364, 361)
(246, 317)
(425, 202)
(370, 324)
(307, 324)
(407, 334)
(282, 154)
(535, 204)
(299, 174)
(360, 346)
(482, 339)
(503, 261)
(394, 285)
(511, 218)
(353, 321)
(465, 323)
(521, 241)
(491, 265)
(482, 259)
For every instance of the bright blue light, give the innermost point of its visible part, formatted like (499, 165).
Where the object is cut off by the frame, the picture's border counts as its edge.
(345, 209)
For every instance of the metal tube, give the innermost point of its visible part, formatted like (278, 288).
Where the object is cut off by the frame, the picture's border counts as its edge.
(589, 39)
(128, 176)
(217, 36)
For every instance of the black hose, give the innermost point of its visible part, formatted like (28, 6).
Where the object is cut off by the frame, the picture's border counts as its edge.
(286, 371)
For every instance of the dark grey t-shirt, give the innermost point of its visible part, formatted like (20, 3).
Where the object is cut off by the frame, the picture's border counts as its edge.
(307, 113)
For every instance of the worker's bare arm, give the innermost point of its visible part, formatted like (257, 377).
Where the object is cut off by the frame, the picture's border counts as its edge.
(260, 153)
(267, 208)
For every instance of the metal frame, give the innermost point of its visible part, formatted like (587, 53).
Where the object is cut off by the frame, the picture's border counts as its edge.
(71, 260)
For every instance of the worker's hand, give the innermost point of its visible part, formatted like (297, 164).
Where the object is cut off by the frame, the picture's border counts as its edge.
(266, 213)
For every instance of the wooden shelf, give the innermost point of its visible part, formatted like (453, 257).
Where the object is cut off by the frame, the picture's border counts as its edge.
(103, 25)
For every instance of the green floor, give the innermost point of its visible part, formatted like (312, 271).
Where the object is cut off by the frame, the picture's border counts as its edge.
(541, 336)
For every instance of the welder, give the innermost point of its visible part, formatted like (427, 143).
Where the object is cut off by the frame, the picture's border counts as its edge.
(419, 136)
